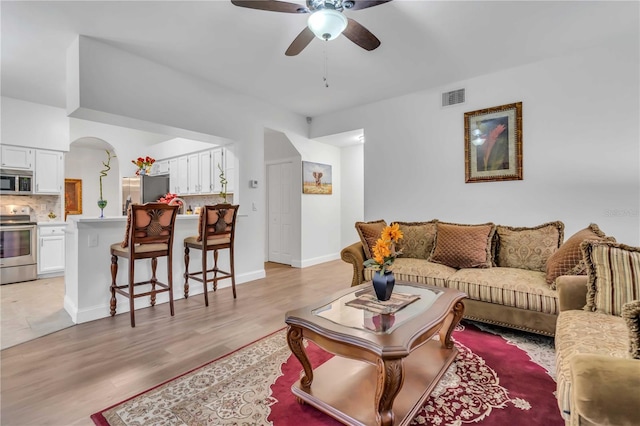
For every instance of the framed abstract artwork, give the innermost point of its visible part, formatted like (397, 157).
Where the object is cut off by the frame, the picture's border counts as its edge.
(316, 178)
(493, 144)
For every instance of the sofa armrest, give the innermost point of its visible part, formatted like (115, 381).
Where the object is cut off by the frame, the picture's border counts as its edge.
(605, 390)
(354, 254)
(572, 292)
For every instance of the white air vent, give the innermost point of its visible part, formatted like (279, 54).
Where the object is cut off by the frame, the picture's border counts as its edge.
(452, 98)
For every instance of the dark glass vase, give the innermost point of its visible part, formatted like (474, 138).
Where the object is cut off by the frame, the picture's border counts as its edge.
(383, 284)
(102, 204)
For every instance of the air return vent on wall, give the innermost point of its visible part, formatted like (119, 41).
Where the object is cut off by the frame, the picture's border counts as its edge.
(452, 98)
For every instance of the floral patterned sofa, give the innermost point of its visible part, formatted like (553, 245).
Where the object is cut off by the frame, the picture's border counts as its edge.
(508, 273)
(598, 338)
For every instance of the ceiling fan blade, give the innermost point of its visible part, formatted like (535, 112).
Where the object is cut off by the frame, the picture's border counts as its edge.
(360, 35)
(300, 42)
(271, 5)
(363, 4)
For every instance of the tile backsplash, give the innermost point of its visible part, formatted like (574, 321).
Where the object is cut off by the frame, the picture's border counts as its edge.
(36, 202)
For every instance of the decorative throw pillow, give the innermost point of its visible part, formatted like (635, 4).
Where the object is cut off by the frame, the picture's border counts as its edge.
(527, 248)
(418, 238)
(568, 260)
(463, 246)
(614, 275)
(369, 233)
(631, 315)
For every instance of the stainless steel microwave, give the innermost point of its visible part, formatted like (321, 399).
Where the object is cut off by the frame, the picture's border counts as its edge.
(18, 182)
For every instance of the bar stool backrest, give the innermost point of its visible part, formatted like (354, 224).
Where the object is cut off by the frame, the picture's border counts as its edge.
(152, 223)
(218, 221)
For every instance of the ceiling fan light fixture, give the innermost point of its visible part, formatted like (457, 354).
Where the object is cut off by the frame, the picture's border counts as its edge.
(327, 24)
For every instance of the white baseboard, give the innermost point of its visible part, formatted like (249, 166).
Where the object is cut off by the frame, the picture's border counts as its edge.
(317, 260)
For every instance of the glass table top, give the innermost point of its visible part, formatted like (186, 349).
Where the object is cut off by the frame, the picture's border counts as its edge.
(338, 312)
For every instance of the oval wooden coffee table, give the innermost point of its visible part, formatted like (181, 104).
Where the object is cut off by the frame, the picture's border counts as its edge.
(387, 365)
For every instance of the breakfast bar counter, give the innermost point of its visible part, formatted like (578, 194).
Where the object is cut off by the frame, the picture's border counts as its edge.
(88, 261)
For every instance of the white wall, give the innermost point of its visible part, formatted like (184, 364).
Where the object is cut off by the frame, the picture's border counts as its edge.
(118, 87)
(321, 222)
(352, 192)
(581, 119)
(33, 125)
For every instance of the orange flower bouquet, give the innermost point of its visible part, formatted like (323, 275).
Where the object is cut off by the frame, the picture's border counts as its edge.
(384, 252)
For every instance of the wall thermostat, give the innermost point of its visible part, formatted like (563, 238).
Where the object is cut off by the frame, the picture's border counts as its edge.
(253, 183)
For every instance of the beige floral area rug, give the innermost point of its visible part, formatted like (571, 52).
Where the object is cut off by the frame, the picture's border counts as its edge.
(495, 380)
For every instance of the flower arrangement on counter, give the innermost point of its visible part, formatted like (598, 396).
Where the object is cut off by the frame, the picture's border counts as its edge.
(168, 198)
(384, 252)
(143, 163)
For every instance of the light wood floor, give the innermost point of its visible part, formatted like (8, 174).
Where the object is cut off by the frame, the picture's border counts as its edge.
(64, 377)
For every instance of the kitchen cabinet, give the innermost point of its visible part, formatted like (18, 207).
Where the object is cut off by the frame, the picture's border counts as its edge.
(17, 157)
(205, 173)
(173, 176)
(230, 169)
(193, 185)
(51, 249)
(183, 175)
(160, 167)
(48, 173)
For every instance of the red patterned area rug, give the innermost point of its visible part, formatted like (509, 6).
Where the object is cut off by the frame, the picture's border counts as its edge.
(500, 377)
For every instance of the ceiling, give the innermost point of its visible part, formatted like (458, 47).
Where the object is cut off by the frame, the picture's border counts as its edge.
(425, 44)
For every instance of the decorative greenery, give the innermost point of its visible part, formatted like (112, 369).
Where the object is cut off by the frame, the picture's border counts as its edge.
(103, 172)
(223, 184)
(384, 252)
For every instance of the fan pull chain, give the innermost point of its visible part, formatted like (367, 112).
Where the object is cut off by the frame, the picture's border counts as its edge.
(325, 78)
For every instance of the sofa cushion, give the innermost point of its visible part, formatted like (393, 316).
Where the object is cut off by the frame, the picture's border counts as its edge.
(418, 239)
(581, 332)
(369, 233)
(568, 260)
(463, 246)
(527, 248)
(613, 271)
(514, 287)
(417, 271)
(631, 315)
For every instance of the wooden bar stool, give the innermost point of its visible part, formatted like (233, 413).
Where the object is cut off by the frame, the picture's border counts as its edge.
(149, 235)
(216, 231)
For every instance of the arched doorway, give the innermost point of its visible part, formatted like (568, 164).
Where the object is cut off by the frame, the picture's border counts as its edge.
(85, 161)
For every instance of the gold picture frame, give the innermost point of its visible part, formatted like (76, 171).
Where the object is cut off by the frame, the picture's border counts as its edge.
(493, 144)
(72, 196)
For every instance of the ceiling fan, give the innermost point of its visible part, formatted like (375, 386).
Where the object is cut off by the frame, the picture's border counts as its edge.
(325, 22)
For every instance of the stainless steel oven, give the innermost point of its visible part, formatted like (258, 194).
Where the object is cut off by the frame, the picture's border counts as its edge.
(18, 245)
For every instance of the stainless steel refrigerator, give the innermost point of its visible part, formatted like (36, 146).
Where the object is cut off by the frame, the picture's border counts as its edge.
(143, 189)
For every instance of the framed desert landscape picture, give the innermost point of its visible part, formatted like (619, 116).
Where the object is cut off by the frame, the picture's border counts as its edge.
(316, 178)
(493, 143)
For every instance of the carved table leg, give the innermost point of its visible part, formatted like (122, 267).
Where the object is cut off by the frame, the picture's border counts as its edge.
(390, 379)
(294, 340)
(450, 324)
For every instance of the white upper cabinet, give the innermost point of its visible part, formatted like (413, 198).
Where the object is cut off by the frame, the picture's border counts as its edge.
(48, 173)
(160, 167)
(206, 182)
(183, 175)
(230, 169)
(173, 176)
(198, 173)
(17, 157)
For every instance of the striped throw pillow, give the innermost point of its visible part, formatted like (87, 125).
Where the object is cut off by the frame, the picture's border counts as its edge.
(614, 275)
